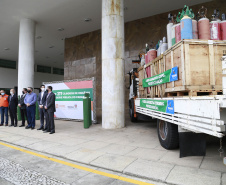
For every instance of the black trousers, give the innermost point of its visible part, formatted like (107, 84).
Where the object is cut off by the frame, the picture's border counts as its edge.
(50, 125)
(23, 113)
(42, 114)
(13, 116)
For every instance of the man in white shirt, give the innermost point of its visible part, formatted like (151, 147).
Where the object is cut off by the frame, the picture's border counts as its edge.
(41, 102)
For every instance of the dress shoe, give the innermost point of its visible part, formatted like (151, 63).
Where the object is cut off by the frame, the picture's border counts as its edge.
(11, 125)
(52, 132)
(46, 131)
(21, 125)
(27, 127)
(1, 125)
(40, 128)
(15, 125)
(32, 128)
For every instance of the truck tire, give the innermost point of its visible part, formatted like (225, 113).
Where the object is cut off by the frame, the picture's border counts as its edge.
(168, 135)
(131, 111)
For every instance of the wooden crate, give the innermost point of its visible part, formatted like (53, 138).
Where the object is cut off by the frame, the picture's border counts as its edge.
(200, 69)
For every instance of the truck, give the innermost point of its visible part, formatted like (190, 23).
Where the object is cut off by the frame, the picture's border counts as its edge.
(186, 93)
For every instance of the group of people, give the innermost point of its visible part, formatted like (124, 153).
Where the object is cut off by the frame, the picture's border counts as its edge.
(27, 105)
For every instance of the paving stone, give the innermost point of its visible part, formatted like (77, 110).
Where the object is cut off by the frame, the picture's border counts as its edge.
(147, 154)
(172, 157)
(93, 145)
(117, 149)
(42, 145)
(188, 176)
(61, 150)
(113, 162)
(213, 163)
(84, 155)
(26, 141)
(149, 169)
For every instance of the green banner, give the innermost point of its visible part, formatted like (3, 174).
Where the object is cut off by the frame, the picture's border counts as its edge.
(72, 94)
(165, 77)
(166, 106)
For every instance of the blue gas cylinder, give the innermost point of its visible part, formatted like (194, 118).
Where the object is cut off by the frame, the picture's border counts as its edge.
(186, 28)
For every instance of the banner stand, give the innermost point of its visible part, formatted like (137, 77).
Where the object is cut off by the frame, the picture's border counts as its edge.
(69, 96)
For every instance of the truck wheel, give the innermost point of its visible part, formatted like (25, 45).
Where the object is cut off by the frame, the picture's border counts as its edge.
(168, 134)
(131, 111)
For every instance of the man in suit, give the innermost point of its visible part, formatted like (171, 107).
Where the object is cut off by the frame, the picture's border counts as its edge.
(50, 109)
(41, 102)
(22, 106)
(13, 102)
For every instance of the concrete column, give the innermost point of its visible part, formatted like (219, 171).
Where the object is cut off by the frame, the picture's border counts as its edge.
(113, 100)
(26, 59)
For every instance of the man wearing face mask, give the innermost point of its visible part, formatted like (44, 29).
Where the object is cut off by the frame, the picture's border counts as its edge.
(50, 109)
(22, 106)
(13, 102)
(41, 102)
(30, 101)
(4, 104)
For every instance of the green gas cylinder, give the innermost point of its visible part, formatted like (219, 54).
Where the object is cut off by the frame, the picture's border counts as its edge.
(18, 111)
(37, 116)
(87, 110)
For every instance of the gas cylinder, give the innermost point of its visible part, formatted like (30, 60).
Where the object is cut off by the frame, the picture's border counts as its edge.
(164, 45)
(223, 27)
(204, 25)
(186, 28)
(195, 29)
(159, 49)
(186, 24)
(215, 28)
(152, 54)
(178, 33)
(204, 28)
(173, 35)
(169, 30)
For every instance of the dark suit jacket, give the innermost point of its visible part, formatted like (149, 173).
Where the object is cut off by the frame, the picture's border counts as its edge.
(21, 102)
(43, 98)
(50, 100)
(13, 102)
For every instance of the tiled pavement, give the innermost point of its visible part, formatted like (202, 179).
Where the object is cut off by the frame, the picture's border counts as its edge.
(134, 150)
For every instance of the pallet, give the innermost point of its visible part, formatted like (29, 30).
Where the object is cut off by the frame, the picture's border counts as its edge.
(199, 65)
(194, 93)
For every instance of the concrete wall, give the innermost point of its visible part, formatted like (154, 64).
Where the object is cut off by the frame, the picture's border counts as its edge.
(137, 34)
(9, 78)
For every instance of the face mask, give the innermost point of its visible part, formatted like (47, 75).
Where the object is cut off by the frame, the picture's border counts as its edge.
(11, 92)
(22, 92)
(29, 91)
(2, 94)
(43, 89)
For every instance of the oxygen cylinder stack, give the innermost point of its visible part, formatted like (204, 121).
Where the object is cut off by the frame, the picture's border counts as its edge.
(187, 26)
(215, 27)
(223, 27)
